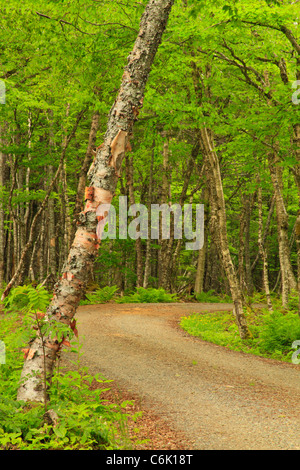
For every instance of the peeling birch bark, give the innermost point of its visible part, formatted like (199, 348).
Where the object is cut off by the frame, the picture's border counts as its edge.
(103, 178)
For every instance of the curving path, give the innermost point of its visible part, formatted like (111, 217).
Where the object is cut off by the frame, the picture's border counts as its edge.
(219, 399)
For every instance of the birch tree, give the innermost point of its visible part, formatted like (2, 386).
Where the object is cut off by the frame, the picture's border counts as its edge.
(103, 177)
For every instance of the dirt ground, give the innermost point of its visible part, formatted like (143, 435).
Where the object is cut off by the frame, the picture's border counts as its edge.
(193, 394)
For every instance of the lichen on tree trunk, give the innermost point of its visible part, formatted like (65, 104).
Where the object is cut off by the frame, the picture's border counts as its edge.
(103, 177)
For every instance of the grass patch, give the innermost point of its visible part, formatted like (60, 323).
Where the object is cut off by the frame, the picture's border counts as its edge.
(272, 334)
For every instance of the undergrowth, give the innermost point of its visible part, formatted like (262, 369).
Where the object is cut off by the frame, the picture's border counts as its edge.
(271, 333)
(149, 295)
(99, 296)
(211, 297)
(140, 295)
(83, 419)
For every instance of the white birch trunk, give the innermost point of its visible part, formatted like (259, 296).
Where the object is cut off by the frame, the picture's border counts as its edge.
(103, 175)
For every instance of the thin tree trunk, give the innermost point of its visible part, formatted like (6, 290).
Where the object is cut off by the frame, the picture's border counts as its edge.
(51, 230)
(214, 169)
(79, 202)
(39, 212)
(164, 280)
(147, 270)
(266, 231)
(52, 265)
(262, 249)
(199, 280)
(297, 234)
(138, 241)
(173, 263)
(41, 250)
(245, 277)
(2, 232)
(288, 280)
(103, 175)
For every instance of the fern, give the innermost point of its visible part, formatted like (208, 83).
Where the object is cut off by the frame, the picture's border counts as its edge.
(150, 295)
(100, 296)
(27, 298)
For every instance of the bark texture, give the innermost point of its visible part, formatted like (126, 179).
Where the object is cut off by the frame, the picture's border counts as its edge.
(262, 250)
(103, 177)
(288, 280)
(213, 169)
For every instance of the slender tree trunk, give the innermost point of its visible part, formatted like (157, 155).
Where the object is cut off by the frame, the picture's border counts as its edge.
(103, 175)
(262, 249)
(52, 238)
(245, 276)
(79, 202)
(199, 280)
(147, 270)
(164, 280)
(288, 280)
(41, 250)
(138, 241)
(51, 230)
(30, 240)
(266, 231)
(297, 234)
(214, 169)
(2, 232)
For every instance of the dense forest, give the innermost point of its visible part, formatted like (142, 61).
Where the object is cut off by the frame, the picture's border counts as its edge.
(219, 126)
(147, 147)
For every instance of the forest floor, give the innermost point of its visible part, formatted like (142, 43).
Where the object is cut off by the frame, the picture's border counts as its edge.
(193, 394)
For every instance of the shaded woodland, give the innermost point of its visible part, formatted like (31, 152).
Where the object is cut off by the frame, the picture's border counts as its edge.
(219, 126)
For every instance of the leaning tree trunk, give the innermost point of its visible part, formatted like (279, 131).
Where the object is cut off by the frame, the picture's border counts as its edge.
(103, 176)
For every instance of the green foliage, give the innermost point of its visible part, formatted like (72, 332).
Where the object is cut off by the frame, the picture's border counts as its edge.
(150, 295)
(211, 297)
(279, 330)
(272, 334)
(100, 296)
(28, 298)
(84, 420)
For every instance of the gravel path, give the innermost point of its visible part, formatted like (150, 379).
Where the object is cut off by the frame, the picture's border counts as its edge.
(218, 399)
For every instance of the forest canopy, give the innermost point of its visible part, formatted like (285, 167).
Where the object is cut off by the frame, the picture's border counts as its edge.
(219, 126)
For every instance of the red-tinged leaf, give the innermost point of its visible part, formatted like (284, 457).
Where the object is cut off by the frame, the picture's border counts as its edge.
(25, 351)
(40, 315)
(66, 343)
(73, 327)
